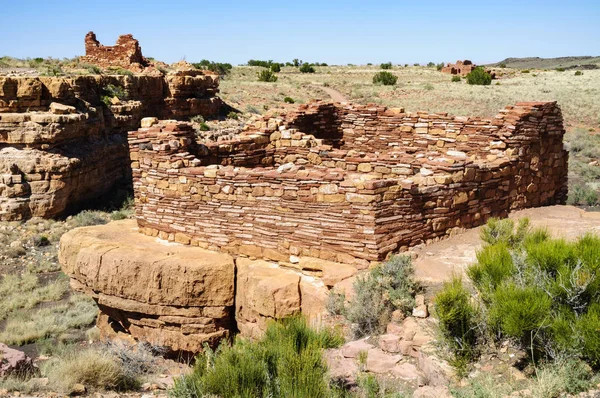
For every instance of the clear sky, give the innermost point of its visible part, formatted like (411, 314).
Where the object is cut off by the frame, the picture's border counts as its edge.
(336, 32)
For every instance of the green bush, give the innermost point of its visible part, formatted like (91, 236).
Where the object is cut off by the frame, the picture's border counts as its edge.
(111, 91)
(266, 76)
(457, 315)
(233, 115)
(525, 71)
(275, 67)
(479, 76)
(578, 73)
(386, 65)
(217, 67)
(387, 287)
(385, 78)
(560, 69)
(286, 362)
(288, 100)
(502, 65)
(540, 292)
(456, 79)
(439, 66)
(307, 68)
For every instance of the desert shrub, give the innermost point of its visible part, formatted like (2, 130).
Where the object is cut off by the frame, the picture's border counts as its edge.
(336, 303)
(93, 367)
(276, 67)
(385, 78)
(111, 91)
(502, 65)
(40, 240)
(525, 71)
(578, 73)
(89, 217)
(233, 115)
(386, 65)
(456, 79)
(539, 292)
(288, 100)
(458, 319)
(387, 287)
(204, 127)
(286, 362)
(430, 64)
(479, 76)
(582, 194)
(217, 67)
(307, 68)
(439, 66)
(560, 69)
(266, 76)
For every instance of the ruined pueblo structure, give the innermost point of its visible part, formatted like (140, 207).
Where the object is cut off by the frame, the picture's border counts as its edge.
(126, 53)
(269, 222)
(63, 140)
(461, 68)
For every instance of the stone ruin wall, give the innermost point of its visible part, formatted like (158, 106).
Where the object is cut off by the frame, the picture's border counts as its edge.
(462, 68)
(60, 146)
(346, 183)
(126, 53)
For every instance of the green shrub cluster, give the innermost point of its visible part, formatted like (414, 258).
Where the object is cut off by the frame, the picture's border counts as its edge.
(385, 78)
(217, 67)
(386, 65)
(267, 75)
(456, 78)
(286, 362)
(439, 66)
(479, 76)
(111, 91)
(539, 292)
(389, 286)
(307, 68)
(578, 73)
(288, 100)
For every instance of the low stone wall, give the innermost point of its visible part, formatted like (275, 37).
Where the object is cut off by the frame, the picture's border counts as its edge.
(61, 145)
(356, 183)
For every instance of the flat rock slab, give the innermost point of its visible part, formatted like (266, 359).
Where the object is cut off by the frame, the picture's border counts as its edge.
(438, 261)
(115, 260)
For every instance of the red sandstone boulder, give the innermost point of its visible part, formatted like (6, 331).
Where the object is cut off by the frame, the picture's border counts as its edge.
(14, 362)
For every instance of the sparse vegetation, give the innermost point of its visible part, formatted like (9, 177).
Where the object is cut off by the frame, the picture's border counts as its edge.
(389, 286)
(217, 67)
(307, 68)
(578, 73)
(456, 78)
(479, 77)
(288, 100)
(387, 65)
(385, 78)
(539, 292)
(286, 362)
(267, 76)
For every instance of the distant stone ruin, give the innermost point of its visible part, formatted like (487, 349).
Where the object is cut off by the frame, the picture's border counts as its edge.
(296, 205)
(461, 68)
(126, 53)
(63, 140)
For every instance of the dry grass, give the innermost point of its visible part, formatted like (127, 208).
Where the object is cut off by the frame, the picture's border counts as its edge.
(25, 292)
(24, 327)
(422, 88)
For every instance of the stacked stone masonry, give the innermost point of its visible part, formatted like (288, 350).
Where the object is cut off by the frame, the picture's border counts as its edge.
(126, 53)
(345, 183)
(63, 140)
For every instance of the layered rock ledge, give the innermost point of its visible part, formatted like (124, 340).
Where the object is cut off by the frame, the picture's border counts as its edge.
(63, 139)
(181, 297)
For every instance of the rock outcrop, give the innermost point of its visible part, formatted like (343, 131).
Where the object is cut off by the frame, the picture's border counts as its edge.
(63, 139)
(14, 362)
(180, 296)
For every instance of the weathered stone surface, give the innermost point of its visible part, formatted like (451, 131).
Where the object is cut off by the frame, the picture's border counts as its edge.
(171, 295)
(380, 362)
(264, 292)
(14, 362)
(61, 146)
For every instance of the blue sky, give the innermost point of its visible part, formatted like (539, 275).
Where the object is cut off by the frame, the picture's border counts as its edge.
(336, 32)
